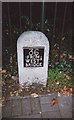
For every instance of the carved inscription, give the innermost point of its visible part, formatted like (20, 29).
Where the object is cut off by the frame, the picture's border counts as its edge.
(33, 57)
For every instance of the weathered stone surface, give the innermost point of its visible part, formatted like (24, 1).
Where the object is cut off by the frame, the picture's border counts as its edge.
(35, 105)
(32, 41)
(47, 98)
(7, 110)
(66, 114)
(69, 99)
(48, 107)
(64, 103)
(51, 114)
(26, 106)
(46, 102)
(16, 107)
(44, 99)
(39, 107)
(29, 116)
(0, 110)
(73, 101)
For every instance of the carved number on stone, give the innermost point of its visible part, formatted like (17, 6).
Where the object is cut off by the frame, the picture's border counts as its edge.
(33, 57)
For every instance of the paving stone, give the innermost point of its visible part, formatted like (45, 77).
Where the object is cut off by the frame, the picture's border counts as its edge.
(35, 105)
(66, 114)
(16, 107)
(26, 106)
(14, 97)
(45, 103)
(51, 115)
(30, 107)
(6, 110)
(48, 107)
(68, 99)
(44, 99)
(73, 102)
(30, 116)
(17, 97)
(64, 104)
(64, 98)
(53, 95)
(0, 110)
(73, 113)
(47, 98)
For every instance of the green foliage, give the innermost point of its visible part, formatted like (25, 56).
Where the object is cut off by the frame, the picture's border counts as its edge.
(10, 67)
(59, 79)
(60, 61)
(60, 71)
(63, 66)
(59, 65)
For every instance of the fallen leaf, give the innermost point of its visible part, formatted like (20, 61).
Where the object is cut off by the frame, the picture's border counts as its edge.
(34, 95)
(65, 88)
(11, 59)
(41, 89)
(2, 83)
(17, 94)
(57, 83)
(40, 112)
(27, 87)
(20, 90)
(68, 93)
(14, 78)
(11, 94)
(3, 71)
(53, 101)
(68, 77)
(71, 89)
(59, 94)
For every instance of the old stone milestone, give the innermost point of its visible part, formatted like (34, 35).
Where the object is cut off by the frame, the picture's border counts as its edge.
(32, 54)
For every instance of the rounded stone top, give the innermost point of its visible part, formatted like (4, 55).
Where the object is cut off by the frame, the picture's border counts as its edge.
(36, 33)
(32, 36)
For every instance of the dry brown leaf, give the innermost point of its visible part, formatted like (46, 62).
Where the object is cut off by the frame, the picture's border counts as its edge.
(3, 71)
(14, 78)
(11, 59)
(2, 83)
(65, 88)
(20, 90)
(53, 101)
(11, 94)
(71, 89)
(34, 95)
(68, 77)
(48, 90)
(17, 94)
(59, 94)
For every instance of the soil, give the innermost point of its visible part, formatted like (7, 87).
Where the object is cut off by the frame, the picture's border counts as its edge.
(13, 89)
